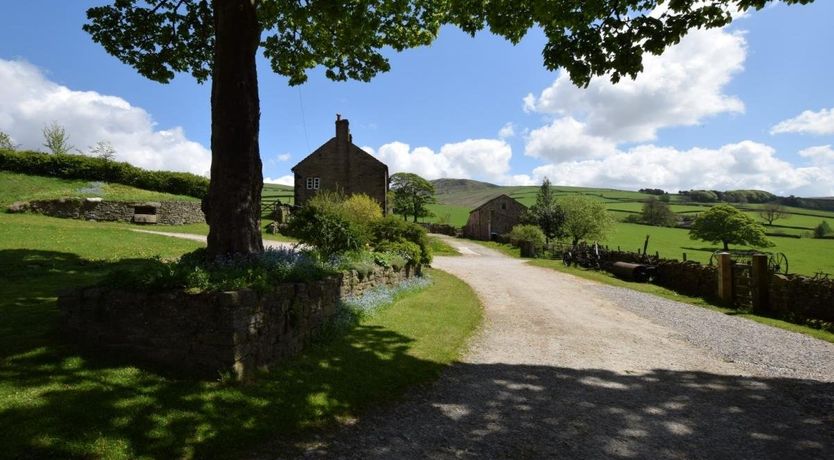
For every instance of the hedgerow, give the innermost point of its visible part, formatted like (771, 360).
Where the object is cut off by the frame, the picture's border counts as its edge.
(68, 166)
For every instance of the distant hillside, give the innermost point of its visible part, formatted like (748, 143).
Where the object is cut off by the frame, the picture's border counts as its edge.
(445, 186)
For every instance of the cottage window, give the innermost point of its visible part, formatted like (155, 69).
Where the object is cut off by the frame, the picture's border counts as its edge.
(313, 183)
(504, 206)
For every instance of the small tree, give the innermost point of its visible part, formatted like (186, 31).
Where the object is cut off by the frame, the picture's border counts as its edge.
(103, 150)
(657, 213)
(585, 218)
(56, 139)
(546, 213)
(773, 211)
(727, 224)
(822, 230)
(411, 195)
(6, 142)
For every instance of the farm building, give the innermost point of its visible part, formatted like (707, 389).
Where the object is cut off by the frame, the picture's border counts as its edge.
(495, 217)
(340, 165)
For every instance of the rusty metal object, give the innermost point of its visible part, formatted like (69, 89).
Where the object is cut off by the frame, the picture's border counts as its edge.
(640, 273)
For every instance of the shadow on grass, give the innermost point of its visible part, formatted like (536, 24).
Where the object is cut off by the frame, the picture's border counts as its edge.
(533, 411)
(58, 403)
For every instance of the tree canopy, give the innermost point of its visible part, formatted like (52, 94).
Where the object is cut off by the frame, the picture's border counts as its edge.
(657, 213)
(546, 212)
(585, 218)
(726, 224)
(219, 39)
(411, 195)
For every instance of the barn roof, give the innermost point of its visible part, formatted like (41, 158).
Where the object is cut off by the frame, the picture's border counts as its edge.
(503, 195)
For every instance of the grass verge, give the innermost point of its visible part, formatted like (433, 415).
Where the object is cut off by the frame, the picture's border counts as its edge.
(440, 248)
(64, 404)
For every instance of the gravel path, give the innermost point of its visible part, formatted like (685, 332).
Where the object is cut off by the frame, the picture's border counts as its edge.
(567, 368)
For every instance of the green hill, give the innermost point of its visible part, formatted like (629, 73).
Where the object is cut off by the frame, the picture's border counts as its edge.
(449, 186)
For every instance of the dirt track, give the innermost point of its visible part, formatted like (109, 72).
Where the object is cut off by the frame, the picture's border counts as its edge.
(560, 370)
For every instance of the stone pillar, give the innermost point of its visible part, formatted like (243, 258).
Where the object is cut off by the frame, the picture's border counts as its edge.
(725, 278)
(760, 277)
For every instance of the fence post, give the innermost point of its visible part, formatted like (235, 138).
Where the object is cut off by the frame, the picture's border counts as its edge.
(759, 278)
(725, 278)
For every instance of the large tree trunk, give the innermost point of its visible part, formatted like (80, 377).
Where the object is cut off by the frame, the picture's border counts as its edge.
(233, 203)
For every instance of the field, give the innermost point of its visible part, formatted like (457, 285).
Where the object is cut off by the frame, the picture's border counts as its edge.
(63, 403)
(805, 255)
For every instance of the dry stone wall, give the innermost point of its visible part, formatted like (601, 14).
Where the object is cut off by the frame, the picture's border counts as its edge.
(205, 333)
(166, 212)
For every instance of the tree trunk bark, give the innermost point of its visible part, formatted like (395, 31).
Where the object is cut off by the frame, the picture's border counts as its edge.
(726, 246)
(233, 203)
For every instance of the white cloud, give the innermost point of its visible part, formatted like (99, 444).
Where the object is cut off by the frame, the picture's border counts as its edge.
(679, 88)
(742, 165)
(289, 179)
(284, 157)
(506, 131)
(807, 122)
(29, 101)
(566, 139)
(819, 154)
(487, 159)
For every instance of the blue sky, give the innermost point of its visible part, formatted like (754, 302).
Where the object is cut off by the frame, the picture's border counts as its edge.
(748, 106)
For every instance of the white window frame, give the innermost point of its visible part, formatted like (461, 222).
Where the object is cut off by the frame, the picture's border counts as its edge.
(313, 183)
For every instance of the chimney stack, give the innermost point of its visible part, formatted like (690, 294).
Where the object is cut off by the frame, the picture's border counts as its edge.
(342, 130)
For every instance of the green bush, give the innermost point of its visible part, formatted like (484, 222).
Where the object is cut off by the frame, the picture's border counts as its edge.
(407, 250)
(83, 167)
(527, 234)
(393, 230)
(327, 231)
(822, 230)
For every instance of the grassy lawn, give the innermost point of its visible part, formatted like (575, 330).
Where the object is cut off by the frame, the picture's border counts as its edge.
(440, 248)
(63, 403)
(23, 187)
(806, 255)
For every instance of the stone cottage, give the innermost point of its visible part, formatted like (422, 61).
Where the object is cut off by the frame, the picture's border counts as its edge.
(495, 217)
(340, 165)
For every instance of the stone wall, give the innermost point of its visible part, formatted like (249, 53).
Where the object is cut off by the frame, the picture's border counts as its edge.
(206, 333)
(801, 297)
(167, 212)
(688, 278)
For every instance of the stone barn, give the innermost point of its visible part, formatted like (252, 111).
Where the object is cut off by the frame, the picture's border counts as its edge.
(495, 217)
(340, 165)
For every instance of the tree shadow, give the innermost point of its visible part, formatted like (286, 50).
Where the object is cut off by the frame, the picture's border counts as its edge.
(58, 403)
(530, 411)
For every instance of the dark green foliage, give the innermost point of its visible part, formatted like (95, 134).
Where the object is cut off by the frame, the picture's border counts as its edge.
(652, 191)
(531, 234)
(546, 213)
(193, 272)
(411, 195)
(657, 213)
(327, 231)
(388, 232)
(726, 224)
(83, 167)
(701, 196)
(822, 230)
